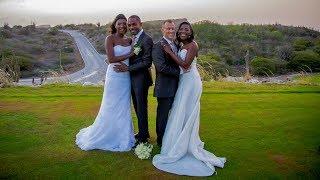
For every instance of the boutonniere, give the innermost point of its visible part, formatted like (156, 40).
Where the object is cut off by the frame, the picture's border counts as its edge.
(136, 49)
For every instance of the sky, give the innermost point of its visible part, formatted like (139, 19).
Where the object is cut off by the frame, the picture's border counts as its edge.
(53, 12)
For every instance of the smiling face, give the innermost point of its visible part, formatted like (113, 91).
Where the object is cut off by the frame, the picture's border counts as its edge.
(184, 32)
(134, 25)
(121, 26)
(168, 30)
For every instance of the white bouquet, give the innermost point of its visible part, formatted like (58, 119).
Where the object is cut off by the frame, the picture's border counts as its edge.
(143, 150)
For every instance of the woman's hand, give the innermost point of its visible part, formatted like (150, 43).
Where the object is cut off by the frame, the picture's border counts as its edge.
(166, 48)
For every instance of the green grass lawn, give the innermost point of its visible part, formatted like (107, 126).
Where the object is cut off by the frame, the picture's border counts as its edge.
(264, 131)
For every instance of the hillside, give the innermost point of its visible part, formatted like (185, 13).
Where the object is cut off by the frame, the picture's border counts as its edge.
(273, 49)
(38, 49)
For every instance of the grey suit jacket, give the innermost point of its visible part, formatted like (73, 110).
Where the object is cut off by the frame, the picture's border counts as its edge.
(167, 72)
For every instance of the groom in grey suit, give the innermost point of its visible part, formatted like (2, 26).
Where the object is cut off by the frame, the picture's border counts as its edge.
(167, 77)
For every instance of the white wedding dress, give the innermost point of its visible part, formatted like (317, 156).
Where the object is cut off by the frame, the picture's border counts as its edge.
(112, 129)
(182, 150)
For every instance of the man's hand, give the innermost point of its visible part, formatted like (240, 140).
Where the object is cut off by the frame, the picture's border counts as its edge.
(122, 67)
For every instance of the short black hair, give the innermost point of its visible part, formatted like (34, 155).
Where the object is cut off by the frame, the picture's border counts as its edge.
(113, 29)
(190, 38)
(135, 17)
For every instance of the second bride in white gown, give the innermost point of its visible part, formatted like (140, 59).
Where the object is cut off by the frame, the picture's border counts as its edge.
(182, 151)
(112, 129)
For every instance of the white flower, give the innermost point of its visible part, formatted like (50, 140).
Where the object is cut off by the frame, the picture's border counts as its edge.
(136, 50)
(143, 150)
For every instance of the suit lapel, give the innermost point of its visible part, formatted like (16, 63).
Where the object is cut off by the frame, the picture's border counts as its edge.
(141, 37)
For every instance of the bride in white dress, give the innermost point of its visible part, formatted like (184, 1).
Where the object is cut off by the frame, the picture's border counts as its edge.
(112, 129)
(182, 151)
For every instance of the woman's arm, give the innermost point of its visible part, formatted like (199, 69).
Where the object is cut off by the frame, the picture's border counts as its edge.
(191, 54)
(110, 52)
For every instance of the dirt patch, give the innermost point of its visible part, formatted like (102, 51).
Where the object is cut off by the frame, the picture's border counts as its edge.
(286, 164)
(15, 106)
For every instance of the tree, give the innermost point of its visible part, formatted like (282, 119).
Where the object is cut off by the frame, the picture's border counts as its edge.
(10, 65)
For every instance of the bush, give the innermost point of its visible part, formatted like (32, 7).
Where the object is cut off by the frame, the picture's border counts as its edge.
(9, 65)
(68, 49)
(263, 66)
(6, 53)
(212, 70)
(210, 57)
(274, 35)
(53, 31)
(6, 26)
(25, 63)
(285, 53)
(36, 49)
(24, 31)
(317, 49)
(301, 44)
(58, 26)
(71, 26)
(281, 66)
(4, 33)
(307, 58)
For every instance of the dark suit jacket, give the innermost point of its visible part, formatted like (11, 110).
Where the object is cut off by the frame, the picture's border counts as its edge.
(139, 64)
(167, 72)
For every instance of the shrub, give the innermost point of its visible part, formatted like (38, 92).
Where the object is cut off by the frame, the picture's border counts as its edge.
(68, 49)
(285, 52)
(53, 31)
(301, 44)
(6, 26)
(281, 66)
(212, 69)
(307, 58)
(24, 31)
(4, 33)
(25, 63)
(276, 35)
(317, 49)
(36, 49)
(210, 57)
(58, 26)
(263, 66)
(9, 65)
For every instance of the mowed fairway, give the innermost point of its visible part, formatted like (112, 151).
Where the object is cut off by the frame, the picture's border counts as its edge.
(264, 131)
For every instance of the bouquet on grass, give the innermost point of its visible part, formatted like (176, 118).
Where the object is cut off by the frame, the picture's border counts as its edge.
(143, 150)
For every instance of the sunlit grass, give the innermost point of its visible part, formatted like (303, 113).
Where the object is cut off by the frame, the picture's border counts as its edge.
(265, 131)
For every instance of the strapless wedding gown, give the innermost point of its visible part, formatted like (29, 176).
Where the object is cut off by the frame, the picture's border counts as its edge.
(182, 151)
(112, 129)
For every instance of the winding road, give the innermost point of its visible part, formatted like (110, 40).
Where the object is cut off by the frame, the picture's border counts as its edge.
(93, 71)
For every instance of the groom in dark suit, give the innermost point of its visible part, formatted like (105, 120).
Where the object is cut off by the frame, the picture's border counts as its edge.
(141, 79)
(167, 77)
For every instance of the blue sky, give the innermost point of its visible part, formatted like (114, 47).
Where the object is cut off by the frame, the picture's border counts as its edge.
(288, 12)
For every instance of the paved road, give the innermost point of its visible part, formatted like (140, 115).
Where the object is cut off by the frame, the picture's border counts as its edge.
(93, 71)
